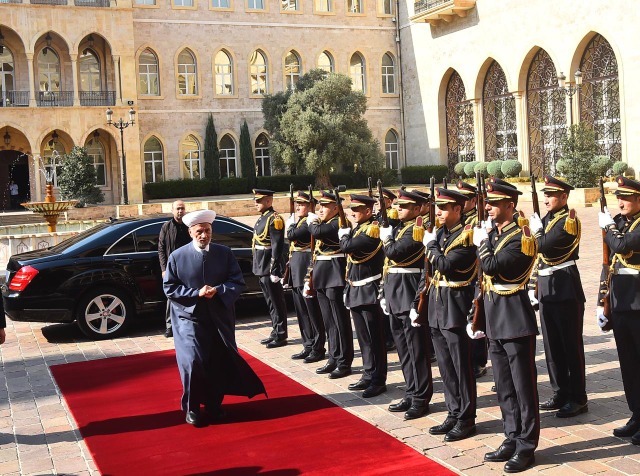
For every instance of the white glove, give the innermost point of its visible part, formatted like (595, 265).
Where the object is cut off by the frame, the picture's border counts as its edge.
(312, 218)
(479, 235)
(290, 221)
(383, 306)
(386, 232)
(487, 224)
(600, 319)
(306, 291)
(343, 232)
(604, 218)
(535, 223)
(474, 335)
(413, 315)
(275, 279)
(429, 237)
(532, 297)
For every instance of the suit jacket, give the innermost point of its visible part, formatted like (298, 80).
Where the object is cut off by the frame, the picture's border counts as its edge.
(269, 232)
(173, 235)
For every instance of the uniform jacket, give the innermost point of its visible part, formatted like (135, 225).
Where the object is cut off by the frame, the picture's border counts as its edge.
(269, 232)
(471, 217)
(365, 260)
(300, 248)
(172, 236)
(327, 273)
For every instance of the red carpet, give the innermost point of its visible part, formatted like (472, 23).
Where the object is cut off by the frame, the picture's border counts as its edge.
(127, 409)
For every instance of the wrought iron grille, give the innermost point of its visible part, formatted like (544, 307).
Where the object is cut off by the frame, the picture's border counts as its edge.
(425, 5)
(55, 98)
(48, 2)
(459, 113)
(499, 112)
(600, 96)
(97, 98)
(92, 3)
(14, 98)
(547, 115)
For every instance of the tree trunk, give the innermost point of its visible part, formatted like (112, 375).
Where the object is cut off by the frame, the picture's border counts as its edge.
(323, 181)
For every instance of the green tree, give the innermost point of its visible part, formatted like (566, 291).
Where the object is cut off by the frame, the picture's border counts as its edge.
(247, 162)
(77, 179)
(321, 128)
(212, 155)
(578, 150)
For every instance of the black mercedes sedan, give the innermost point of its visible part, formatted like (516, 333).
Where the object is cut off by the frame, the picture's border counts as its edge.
(106, 276)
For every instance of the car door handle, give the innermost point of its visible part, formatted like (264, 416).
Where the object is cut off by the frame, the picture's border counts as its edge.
(123, 260)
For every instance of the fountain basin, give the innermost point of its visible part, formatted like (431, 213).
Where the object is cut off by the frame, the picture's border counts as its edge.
(50, 208)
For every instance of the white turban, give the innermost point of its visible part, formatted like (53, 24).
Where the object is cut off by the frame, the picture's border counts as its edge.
(199, 216)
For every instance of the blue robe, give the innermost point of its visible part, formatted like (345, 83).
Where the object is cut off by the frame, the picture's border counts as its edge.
(204, 329)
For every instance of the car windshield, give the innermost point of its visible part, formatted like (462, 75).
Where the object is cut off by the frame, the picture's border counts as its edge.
(71, 244)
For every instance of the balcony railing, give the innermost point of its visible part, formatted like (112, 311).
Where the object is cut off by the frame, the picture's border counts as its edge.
(55, 98)
(48, 2)
(10, 1)
(97, 98)
(92, 3)
(14, 98)
(424, 5)
(434, 11)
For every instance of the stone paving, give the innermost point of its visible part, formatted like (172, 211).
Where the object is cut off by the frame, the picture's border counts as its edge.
(38, 435)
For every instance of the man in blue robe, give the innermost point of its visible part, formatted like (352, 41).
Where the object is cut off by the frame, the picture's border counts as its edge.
(202, 282)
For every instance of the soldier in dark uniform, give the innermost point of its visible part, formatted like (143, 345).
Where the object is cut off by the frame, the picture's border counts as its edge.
(623, 238)
(452, 256)
(268, 265)
(507, 255)
(307, 310)
(404, 262)
(479, 354)
(561, 299)
(329, 265)
(365, 259)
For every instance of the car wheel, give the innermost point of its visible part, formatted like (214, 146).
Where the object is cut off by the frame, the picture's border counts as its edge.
(104, 313)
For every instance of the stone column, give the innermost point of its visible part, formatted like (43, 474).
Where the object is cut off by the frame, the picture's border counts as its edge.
(521, 131)
(32, 81)
(116, 73)
(478, 128)
(74, 74)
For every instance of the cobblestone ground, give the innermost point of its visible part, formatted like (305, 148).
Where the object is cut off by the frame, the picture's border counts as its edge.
(38, 434)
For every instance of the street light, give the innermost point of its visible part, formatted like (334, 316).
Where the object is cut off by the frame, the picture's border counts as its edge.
(7, 137)
(121, 125)
(570, 90)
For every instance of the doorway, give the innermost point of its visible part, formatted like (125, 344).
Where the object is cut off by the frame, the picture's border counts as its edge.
(14, 166)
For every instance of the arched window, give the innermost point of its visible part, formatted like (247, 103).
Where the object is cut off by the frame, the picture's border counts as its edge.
(354, 6)
(357, 73)
(499, 108)
(153, 160)
(227, 157)
(48, 70)
(263, 159)
(89, 71)
(224, 73)
(459, 113)
(6, 77)
(391, 150)
(149, 84)
(546, 115)
(388, 74)
(386, 7)
(259, 71)
(95, 150)
(187, 74)
(190, 152)
(325, 62)
(292, 69)
(600, 95)
(52, 157)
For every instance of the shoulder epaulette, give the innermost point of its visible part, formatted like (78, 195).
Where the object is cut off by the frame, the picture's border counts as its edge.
(522, 220)
(418, 232)
(373, 230)
(278, 222)
(467, 235)
(529, 244)
(571, 224)
(392, 214)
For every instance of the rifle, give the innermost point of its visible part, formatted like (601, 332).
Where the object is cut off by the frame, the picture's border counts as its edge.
(342, 219)
(536, 210)
(423, 302)
(479, 320)
(606, 298)
(370, 186)
(444, 182)
(384, 219)
(312, 245)
(287, 267)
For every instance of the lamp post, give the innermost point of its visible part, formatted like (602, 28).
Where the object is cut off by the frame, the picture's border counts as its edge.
(121, 125)
(570, 90)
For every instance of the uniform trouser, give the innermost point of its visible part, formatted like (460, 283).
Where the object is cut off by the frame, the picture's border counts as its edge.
(199, 353)
(167, 317)
(514, 371)
(563, 348)
(338, 326)
(309, 321)
(453, 351)
(414, 347)
(388, 333)
(479, 354)
(274, 295)
(626, 330)
(369, 324)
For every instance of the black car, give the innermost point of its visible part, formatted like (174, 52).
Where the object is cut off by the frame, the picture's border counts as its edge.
(105, 276)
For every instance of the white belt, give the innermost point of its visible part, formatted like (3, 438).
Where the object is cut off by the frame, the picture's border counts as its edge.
(362, 282)
(262, 247)
(627, 271)
(551, 269)
(404, 270)
(329, 257)
(446, 284)
(505, 287)
(302, 251)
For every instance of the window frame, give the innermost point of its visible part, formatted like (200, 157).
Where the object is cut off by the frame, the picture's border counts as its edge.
(183, 157)
(363, 73)
(267, 75)
(153, 160)
(384, 76)
(147, 74)
(291, 77)
(233, 74)
(388, 154)
(226, 158)
(195, 74)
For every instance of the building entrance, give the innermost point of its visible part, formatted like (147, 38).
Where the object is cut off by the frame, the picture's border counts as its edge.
(14, 179)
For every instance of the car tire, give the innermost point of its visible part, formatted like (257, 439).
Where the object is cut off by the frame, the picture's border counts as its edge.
(104, 313)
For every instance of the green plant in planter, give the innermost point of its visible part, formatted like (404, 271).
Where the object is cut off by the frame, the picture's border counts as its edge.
(620, 167)
(495, 168)
(511, 168)
(579, 150)
(458, 169)
(468, 168)
(481, 167)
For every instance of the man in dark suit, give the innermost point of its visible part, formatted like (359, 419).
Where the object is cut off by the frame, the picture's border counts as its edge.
(202, 282)
(268, 265)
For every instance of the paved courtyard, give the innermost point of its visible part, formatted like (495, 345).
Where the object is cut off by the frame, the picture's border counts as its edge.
(38, 435)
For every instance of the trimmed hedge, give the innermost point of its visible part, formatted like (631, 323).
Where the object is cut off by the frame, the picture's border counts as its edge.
(619, 168)
(468, 168)
(233, 185)
(458, 169)
(511, 168)
(419, 174)
(178, 188)
(481, 167)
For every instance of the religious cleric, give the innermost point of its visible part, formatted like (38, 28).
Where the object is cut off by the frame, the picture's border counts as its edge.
(202, 282)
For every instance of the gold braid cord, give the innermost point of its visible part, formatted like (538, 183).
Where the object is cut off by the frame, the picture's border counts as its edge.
(351, 260)
(571, 248)
(623, 258)
(262, 239)
(411, 260)
(293, 246)
(520, 280)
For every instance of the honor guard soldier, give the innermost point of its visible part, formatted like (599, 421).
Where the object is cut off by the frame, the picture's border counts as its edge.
(507, 255)
(365, 259)
(307, 310)
(329, 265)
(424, 209)
(623, 237)
(561, 299)
(404, 263)
(268, 264)
(452, 255)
